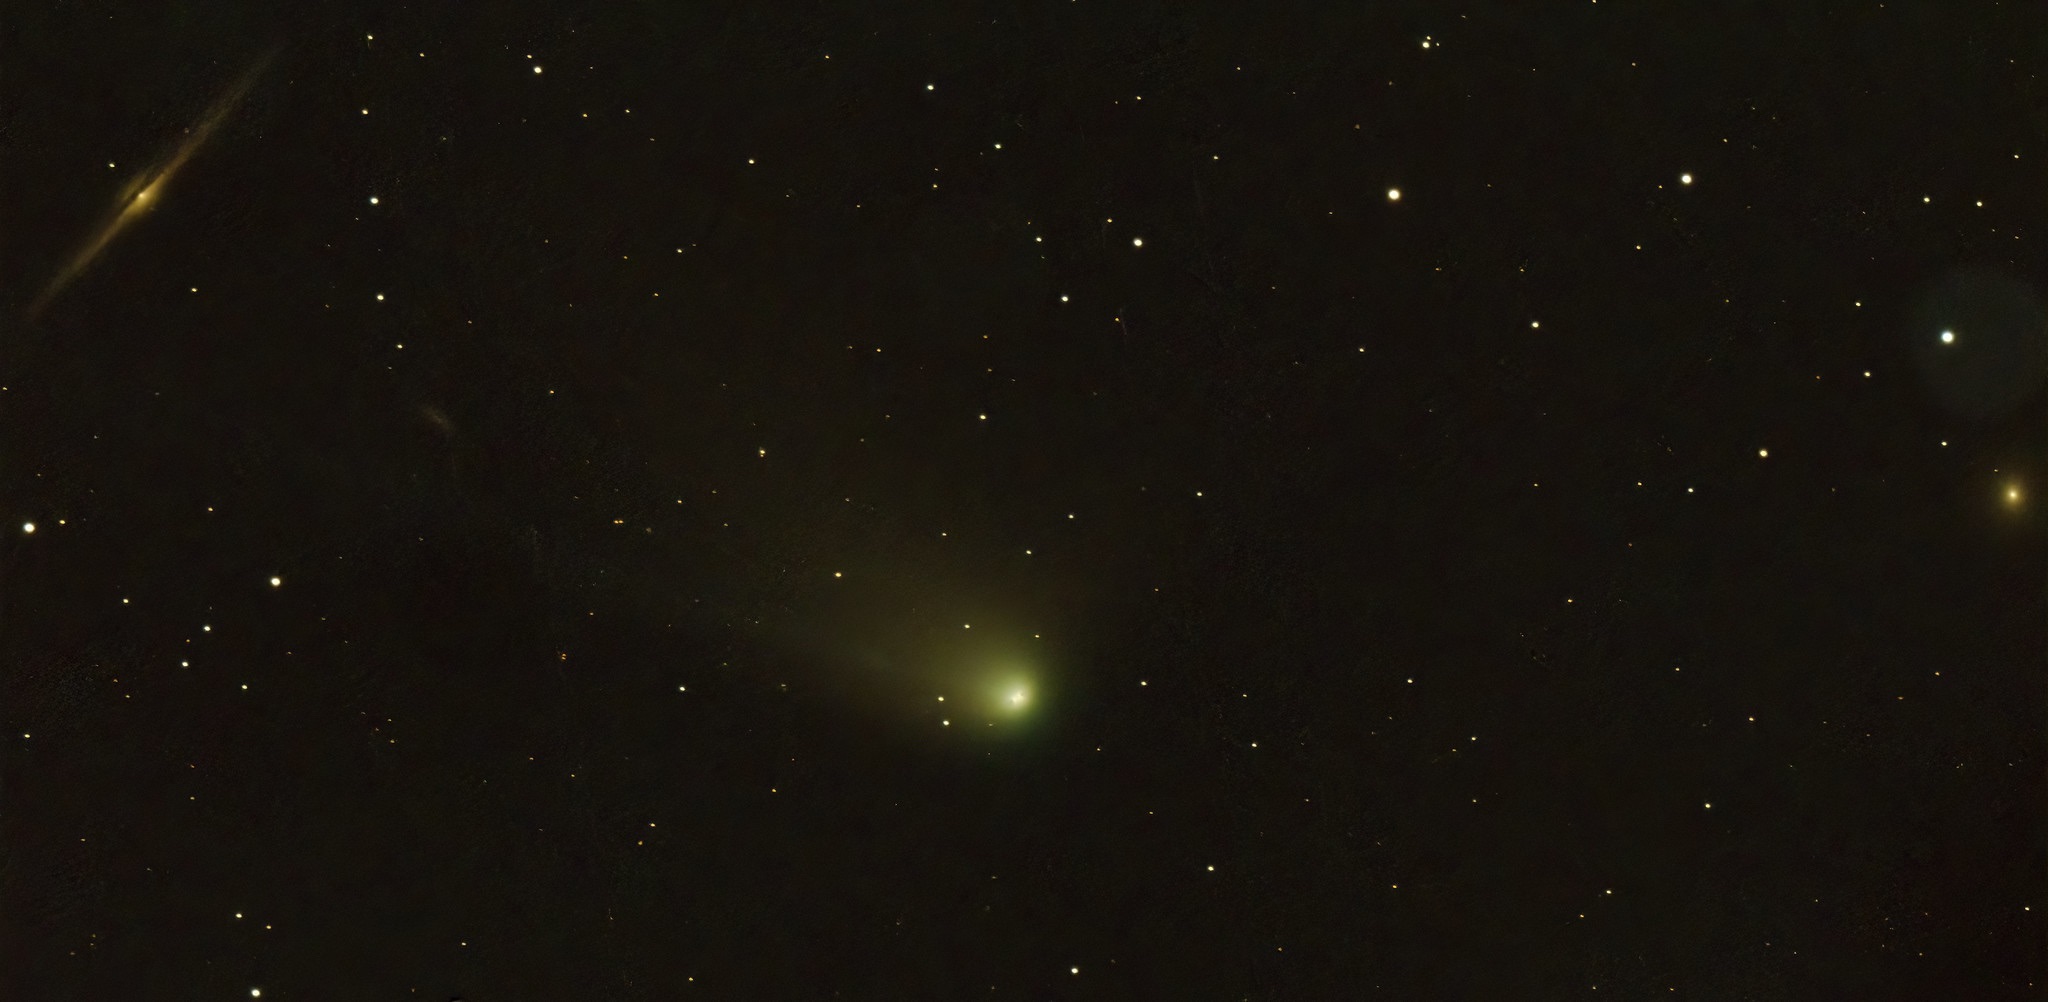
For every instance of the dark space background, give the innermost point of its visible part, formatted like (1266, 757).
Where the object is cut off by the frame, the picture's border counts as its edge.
(1586, 575)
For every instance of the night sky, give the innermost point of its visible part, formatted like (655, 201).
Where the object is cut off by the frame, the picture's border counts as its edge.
(1023, 501)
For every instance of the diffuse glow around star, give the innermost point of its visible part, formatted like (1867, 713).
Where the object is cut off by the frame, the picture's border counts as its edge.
(898, 651)
(994, 681)
(1003, 698)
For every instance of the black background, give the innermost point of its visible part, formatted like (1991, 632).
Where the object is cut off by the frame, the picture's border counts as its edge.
(1469, 621)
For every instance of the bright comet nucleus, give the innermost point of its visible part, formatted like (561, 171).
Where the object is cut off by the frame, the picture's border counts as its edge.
(1010, 697)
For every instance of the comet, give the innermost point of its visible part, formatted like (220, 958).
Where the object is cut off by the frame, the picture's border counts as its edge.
(145, 190)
